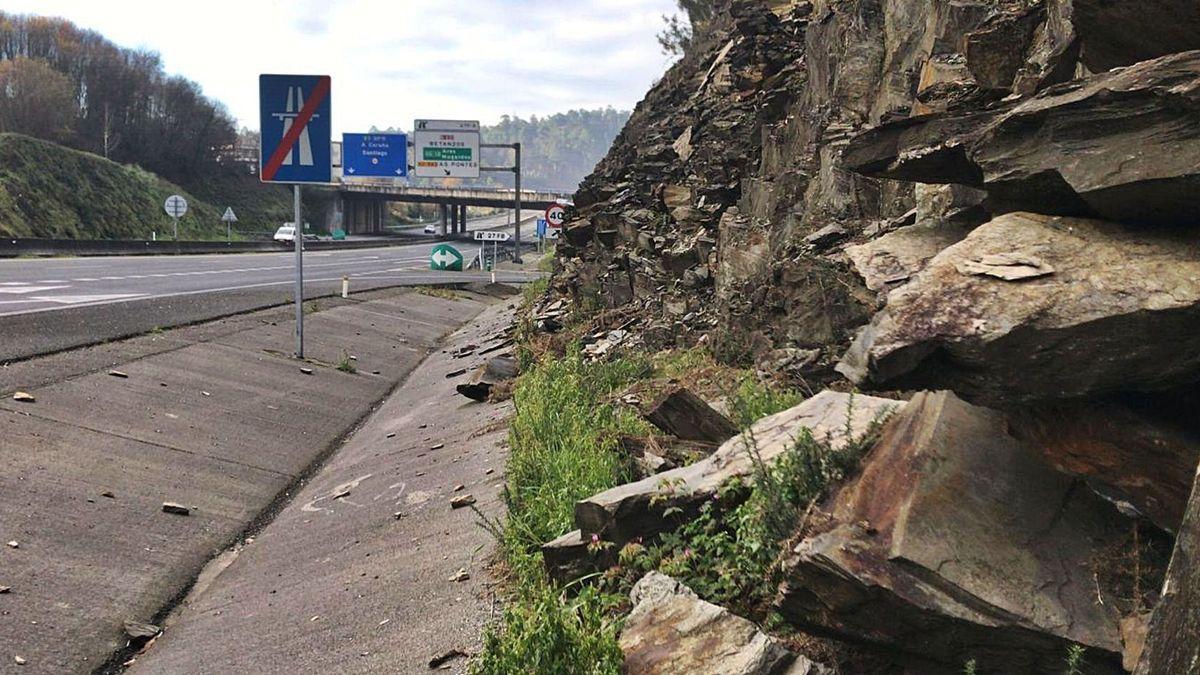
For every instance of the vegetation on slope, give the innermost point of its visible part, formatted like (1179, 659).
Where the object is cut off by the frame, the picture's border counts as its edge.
(50, 191)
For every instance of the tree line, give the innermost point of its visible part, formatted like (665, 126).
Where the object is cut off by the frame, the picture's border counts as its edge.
(72, 86)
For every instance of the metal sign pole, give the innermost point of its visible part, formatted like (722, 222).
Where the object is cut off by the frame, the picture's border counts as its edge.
(299, 241)
(175, 227)
(517, 214)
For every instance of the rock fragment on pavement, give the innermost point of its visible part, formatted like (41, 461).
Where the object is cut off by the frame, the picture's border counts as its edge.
(461, 501)
(673, 632)
(24, 397)
(177, 509)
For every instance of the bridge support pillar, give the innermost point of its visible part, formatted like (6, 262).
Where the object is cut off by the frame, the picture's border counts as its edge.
(462, 219)
(442, 223)
(454, 218)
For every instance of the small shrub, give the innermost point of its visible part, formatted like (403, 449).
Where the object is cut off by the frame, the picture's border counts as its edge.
(346, 364)
(1075, 661)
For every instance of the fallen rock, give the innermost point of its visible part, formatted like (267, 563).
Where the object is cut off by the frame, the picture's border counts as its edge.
(1080, 331)
(461, 575)
(934, 552)
(14, 544)
(20, 661)
(24, 397)
(461, 501)
(681, 413)
(671, 631)
(637, 509)
(447, 656)
(497, 370)
(1171, 645)
(5, 590)
(118, 374)
(177, 509)
(137, 630)
(1122, 145)
(306, 371)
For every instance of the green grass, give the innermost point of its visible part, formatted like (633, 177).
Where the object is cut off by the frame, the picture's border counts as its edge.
(562, 448)
(346, 364)
(563, 441)
(753, 400)
(47, 190)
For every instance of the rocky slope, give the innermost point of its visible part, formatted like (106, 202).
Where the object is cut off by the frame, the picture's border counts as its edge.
(991, 198)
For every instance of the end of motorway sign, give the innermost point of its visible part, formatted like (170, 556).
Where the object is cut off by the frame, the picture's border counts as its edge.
(295, 119)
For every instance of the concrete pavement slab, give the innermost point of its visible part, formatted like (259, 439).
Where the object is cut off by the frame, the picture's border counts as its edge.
(231, 432)
(354, 575)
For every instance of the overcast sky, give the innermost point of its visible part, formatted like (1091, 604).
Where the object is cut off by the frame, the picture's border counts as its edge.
(396, 60)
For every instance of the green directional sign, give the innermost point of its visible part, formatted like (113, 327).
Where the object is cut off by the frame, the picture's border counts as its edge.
(445, 257)
(446, 154)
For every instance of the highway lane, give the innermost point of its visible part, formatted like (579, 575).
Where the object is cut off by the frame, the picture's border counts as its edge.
(48, 305)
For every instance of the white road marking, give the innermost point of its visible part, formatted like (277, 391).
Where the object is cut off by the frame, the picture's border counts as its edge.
(29, 289)
(85, 299)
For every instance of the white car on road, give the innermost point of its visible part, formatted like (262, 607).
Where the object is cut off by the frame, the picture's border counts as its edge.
(285, 233)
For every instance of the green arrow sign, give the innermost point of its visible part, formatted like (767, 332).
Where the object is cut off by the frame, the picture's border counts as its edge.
(445, 257)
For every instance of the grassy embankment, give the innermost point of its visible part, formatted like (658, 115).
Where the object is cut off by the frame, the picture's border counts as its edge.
(563, 448)
(51, 191)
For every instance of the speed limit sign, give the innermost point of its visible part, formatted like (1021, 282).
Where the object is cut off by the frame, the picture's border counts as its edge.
(555, 215)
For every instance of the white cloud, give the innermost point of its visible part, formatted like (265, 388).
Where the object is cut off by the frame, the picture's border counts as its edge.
(395, 60)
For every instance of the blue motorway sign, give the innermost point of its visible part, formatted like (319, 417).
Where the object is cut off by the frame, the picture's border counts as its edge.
(295, 118)
(384, 155)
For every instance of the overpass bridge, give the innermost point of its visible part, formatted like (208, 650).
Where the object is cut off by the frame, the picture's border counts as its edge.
(361, 207)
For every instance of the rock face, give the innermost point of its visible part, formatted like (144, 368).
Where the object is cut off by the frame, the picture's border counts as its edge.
(958, 542)
(1171, 644)
(1032, 307)
(673, 632)
(1121, 146)
(636, 509)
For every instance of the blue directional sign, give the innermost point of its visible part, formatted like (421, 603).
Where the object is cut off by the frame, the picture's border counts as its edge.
(379, 155)
(541, 227)
(295, 118)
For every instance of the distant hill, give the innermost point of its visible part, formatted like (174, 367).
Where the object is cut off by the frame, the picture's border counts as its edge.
(47, 190)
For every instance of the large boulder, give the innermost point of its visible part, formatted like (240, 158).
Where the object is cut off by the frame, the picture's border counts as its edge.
(1171, 644)
(637, 509)
(1032, 307)
(673, 632)
(1123, 145)
(957, 542)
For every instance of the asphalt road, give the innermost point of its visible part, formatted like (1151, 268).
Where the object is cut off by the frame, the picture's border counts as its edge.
(47, 305)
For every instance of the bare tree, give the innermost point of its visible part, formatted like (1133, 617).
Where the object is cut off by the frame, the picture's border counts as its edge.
(35, 99)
